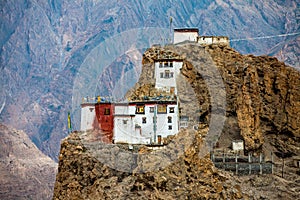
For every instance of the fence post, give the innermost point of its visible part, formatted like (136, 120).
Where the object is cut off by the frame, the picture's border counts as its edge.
(282, 166)
(260, 166)
(223, 159)
(212, 157)
(236, 165)
(249, 161)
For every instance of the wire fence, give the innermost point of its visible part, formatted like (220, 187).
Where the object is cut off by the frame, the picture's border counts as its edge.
(243, 165)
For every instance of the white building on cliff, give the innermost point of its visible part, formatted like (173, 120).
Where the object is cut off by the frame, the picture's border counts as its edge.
(192, 35)
(185, 34)
(145, 122)
(166, 72)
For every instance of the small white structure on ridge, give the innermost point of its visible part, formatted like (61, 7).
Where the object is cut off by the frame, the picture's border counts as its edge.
(207, 40)
(185, 34)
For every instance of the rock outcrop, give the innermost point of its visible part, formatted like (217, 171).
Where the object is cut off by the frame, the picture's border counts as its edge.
(83, 176)
(257, 100)
(26, 173)
(261, 93)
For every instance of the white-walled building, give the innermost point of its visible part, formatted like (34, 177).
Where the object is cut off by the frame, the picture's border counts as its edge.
(87, 116)
(207, 40)
(185, 34)
(166, 72)
(192, 35)
(144, 122)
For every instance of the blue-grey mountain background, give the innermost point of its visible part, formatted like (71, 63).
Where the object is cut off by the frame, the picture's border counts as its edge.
(43, 44)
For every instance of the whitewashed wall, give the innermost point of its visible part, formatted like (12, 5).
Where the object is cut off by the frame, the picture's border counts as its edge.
(167, 83)
(87, 117)
(223, 40)
(183, 36)
(126, 132)
(163, 125)
(206, 40)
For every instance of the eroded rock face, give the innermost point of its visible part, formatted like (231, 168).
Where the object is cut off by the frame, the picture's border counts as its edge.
(261, 93)
(261, 98)
(83, 176)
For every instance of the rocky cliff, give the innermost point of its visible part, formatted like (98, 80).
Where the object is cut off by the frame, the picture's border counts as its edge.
(261, 93)
(257, 100)
(26, 173)
(83, 176)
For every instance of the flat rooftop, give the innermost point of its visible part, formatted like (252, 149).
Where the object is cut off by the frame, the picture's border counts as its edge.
(186, 30)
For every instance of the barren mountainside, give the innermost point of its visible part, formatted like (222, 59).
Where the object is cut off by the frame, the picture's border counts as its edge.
(26, 173)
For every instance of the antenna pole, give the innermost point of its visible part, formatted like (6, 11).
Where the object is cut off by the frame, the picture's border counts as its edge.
(171, 20)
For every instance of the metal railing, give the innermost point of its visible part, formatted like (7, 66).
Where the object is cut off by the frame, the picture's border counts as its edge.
(243, 165)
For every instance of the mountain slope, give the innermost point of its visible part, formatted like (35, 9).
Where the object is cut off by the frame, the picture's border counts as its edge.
(26, 173)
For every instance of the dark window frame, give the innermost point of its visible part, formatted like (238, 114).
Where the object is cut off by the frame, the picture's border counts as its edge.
(160, 65)
(151, 110)
(161, 109)
(140, 109)
(169, 119)
(167, 73)
(144, 120)
(106, 111)
(171, 109)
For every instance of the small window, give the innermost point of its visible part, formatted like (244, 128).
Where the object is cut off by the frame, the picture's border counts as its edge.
(160, 65)
(144, 120)
(169, 119)
(171, 64)
(171, 74)
(167, 74)
(171, 110)
(124, 121)
(161, 75)
(170, 127)
(106, 111)
(165, 64)
(140, 109)
(162, 109)
(152, 109)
